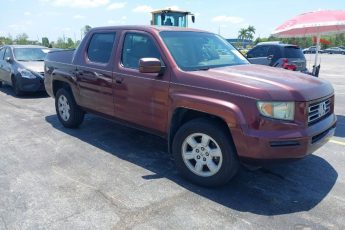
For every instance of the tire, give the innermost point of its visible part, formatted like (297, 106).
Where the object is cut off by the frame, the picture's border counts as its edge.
(67, 110)
(16, 88)
(195, 163)
(0, 84)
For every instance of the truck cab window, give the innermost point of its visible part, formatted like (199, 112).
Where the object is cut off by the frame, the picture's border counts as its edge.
(135, 47)
(100, 47)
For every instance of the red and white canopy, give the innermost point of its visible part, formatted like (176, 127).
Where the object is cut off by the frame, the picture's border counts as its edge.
(313, 24)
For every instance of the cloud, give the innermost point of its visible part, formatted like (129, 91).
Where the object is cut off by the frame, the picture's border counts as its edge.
(78, 3)
(20, 26)
(122, 20)
(142, 9)
(230, 19)
(78, 16)
(27, 13)
(116, 5)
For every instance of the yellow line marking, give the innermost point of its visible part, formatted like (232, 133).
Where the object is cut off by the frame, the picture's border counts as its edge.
(337, 142)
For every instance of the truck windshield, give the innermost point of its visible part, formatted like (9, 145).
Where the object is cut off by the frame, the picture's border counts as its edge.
(30, 54)
(201, 51)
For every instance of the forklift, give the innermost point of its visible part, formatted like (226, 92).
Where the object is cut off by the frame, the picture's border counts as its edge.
(169, 17)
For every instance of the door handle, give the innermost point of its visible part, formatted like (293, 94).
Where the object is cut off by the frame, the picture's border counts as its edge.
(119, 80)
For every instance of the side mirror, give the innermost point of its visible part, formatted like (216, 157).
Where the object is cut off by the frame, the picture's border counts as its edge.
(150, 65)
(193, 18)
(249, 55)
(8, 59)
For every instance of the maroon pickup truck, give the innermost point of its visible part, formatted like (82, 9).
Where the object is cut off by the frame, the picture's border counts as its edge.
(194, 89)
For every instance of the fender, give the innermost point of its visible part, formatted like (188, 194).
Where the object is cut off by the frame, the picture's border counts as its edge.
(68, 78)
(225, 110)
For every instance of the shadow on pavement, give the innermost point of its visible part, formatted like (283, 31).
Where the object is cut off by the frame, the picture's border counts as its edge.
(280, 189)
(340, 130)
(28, 95)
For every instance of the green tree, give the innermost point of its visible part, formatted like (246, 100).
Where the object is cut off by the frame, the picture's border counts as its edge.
(22, 39)
(45, 41)
(6, 40)
(70, 44)
(250, 32)
(86, 29)
(242, 35)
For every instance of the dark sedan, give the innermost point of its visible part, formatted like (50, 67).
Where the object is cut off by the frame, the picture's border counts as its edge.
(22, 67)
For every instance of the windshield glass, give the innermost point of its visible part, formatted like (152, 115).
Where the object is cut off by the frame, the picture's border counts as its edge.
(201, 51)
(30, 54)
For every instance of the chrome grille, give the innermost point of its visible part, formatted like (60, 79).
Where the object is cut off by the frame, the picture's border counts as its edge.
(318, 111)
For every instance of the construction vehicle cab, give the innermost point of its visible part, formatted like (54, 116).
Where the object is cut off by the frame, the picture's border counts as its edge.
(169, 17)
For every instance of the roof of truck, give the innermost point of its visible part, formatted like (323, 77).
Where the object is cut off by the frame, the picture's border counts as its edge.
(147, 28)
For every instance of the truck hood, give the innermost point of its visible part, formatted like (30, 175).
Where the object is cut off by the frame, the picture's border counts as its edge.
(35, 66)
(265, 83)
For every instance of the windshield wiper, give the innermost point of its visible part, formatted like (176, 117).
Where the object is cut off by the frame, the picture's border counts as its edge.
(38, 60)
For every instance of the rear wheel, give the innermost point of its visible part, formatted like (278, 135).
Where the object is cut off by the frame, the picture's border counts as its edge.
(204, 153)
(68, 112)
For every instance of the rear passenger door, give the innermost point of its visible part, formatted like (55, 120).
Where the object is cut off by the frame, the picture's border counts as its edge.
(258, 55)
(141, 98)
(94, 73)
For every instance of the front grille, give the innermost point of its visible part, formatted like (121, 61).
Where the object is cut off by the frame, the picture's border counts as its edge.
(318, 111)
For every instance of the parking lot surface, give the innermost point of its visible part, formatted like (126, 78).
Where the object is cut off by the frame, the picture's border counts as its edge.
(107, 176)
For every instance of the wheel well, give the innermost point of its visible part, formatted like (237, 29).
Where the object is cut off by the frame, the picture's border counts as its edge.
(183, 115)
(58, 85)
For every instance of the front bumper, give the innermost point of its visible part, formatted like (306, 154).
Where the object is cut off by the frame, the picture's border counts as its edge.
(31, 85)
(265, 146)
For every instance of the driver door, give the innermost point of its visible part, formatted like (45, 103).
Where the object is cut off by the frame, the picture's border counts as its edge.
(140, 98)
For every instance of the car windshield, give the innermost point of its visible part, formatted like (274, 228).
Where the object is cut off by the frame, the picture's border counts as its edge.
(30, 54)
(201, 51)
(293, 52)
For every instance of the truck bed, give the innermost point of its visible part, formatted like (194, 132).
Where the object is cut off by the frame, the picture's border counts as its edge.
(61, 56)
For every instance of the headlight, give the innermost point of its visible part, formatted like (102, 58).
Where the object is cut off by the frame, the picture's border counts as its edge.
(277, 110)
(26, 74)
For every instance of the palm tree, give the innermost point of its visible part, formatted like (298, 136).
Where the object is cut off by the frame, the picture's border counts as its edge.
(250, 32)
(242, 34)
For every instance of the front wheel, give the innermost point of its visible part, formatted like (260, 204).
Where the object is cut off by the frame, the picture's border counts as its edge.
(67, 110)
(204, 153)
(17, 91)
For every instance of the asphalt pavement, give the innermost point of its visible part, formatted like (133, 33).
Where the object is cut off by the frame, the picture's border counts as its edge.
(107, 176)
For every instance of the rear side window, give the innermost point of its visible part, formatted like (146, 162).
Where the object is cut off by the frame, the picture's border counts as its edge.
(135, 47)
(259, 51)
(100, 47)
(293, 52)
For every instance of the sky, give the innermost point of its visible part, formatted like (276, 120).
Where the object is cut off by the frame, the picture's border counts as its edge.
(58, 18)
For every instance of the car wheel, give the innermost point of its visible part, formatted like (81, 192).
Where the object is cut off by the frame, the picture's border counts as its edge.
(0, 84)
(16, 88)
(67, 110)
(204, 153)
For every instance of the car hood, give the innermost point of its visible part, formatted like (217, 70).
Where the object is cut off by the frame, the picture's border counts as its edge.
(35, 66)
(264, 83)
